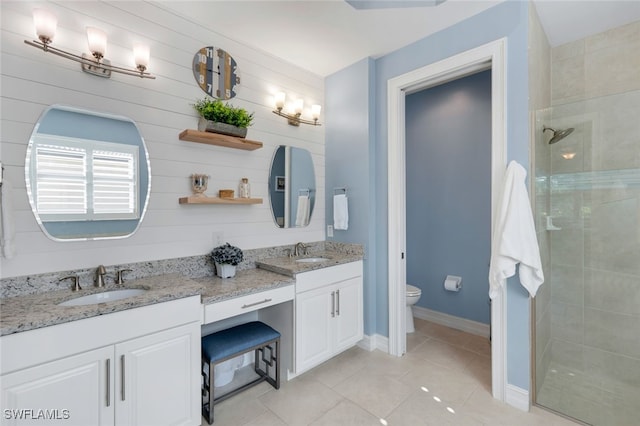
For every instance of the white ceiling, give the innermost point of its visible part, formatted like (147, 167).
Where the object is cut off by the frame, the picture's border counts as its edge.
(324, 36)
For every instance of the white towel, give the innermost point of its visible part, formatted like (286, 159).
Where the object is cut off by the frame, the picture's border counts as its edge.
(302, 214)
(340, 212)
(7, 231)
(514, 236)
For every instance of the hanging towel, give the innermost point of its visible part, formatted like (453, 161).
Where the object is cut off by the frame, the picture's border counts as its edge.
(7, 231)
(340, 212)
(514, 236)
(302, 214)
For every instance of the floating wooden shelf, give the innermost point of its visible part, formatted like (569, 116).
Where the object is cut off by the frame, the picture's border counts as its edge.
(218, 139)
(216, 200)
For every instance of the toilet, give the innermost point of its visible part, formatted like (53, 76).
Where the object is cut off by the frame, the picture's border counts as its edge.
(413, 295)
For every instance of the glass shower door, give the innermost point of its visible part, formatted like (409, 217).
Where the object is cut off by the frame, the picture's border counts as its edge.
(587, 333)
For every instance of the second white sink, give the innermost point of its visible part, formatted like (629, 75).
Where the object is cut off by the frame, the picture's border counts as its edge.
(312, 260)
(107, 296)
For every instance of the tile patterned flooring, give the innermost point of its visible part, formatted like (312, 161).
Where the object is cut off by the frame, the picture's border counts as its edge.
(444, 379)
(596, 401)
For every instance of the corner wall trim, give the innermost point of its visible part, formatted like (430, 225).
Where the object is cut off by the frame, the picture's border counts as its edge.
(373, 342)
(517, 397)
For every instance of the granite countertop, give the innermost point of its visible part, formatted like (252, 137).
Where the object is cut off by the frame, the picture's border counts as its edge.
(23, 313)
(29, 312)
(249, 281)
(289, 266)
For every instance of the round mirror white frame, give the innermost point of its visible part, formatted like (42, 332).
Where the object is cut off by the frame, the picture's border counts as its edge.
(292, 187)
(87, 174)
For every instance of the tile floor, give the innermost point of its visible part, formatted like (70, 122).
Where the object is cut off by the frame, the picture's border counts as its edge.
(444, 379)
(590, 398)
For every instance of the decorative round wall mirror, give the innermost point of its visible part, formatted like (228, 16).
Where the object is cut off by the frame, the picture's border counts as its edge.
(87, 174)
(215, 72)
(292, 187)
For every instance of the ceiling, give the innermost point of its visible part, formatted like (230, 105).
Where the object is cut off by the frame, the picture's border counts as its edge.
(324, 36)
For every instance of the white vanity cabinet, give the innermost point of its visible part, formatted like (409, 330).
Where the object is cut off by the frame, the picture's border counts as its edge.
(147, 372)
(328, 313)
(73, 389)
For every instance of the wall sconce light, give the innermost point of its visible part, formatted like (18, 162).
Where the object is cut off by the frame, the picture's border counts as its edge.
(46, 24)
(294, 117)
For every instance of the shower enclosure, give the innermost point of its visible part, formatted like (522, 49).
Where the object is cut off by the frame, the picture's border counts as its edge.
(587, 209)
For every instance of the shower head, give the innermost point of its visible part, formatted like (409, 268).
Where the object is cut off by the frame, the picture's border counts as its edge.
(557, 135)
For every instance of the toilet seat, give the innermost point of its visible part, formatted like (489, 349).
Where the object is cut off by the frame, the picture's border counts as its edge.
(413, 290)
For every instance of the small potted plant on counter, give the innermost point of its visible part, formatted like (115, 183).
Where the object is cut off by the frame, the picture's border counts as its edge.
(226, 258)
(218, 117)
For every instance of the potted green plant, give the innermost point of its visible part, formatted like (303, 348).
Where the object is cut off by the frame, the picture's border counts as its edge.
(226, 257)
(219, 117)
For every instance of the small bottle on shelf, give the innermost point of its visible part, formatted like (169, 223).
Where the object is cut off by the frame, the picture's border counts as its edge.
(245, 188)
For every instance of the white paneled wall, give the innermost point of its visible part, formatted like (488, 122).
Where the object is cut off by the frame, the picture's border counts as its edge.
(31, 80)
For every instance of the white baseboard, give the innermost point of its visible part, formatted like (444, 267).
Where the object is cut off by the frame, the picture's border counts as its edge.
(517, 397)
(458, 323)
(376, 341)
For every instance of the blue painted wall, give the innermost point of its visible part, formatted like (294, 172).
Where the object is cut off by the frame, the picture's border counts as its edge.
(349, 153)
(507, 20)
(448, 180)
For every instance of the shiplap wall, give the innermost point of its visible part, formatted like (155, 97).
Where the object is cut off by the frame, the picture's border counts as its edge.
(31, 80)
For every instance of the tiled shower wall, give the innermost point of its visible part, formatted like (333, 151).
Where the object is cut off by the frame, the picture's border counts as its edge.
(595, 200)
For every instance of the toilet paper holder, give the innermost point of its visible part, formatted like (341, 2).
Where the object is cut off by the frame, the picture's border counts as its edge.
(453, 283)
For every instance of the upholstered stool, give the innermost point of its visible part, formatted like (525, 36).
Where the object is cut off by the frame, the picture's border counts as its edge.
(226, 344)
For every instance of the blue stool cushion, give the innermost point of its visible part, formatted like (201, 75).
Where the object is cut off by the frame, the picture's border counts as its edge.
(234, 340)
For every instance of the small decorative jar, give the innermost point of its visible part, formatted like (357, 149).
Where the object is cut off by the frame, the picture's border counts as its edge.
(245, 188)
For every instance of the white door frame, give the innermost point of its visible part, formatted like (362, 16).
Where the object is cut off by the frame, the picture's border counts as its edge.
(489, 56)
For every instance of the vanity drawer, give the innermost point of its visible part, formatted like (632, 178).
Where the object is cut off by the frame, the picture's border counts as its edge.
(240, 305)
(311, 280)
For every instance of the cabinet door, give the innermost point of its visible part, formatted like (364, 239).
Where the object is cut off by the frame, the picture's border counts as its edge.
(349, 318)
(158, 378)
(71, 391)
(313, 328)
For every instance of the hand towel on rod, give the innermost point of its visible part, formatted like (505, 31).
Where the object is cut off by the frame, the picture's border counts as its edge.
(514, 236)
(340, 212)
(302, 213)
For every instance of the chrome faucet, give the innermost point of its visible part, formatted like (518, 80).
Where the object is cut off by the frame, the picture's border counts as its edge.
(299, 249)
(99, 279)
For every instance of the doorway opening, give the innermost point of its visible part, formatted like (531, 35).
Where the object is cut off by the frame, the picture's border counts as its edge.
(490, 56)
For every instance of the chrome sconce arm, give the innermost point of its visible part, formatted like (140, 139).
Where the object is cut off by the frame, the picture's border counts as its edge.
(295, 119)
(99, 67)
(46, 23)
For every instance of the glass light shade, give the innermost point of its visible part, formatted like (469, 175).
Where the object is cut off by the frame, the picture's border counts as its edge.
(279, 99)
(298, 105)
(97, 40)
(315, 111)
(45, 23)
(141, 55)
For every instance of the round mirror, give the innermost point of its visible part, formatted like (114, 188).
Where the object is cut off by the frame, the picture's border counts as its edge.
(292, 187)
(88, 174)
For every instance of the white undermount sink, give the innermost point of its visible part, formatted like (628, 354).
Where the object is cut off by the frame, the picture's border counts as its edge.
(312, 260)
(104, 297)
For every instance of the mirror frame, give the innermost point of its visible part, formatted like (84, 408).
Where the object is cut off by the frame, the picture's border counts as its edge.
(142, 159)
(275, 180)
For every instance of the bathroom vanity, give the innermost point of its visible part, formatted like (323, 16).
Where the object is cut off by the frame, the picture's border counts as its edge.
(137, 361)
(113, 369)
